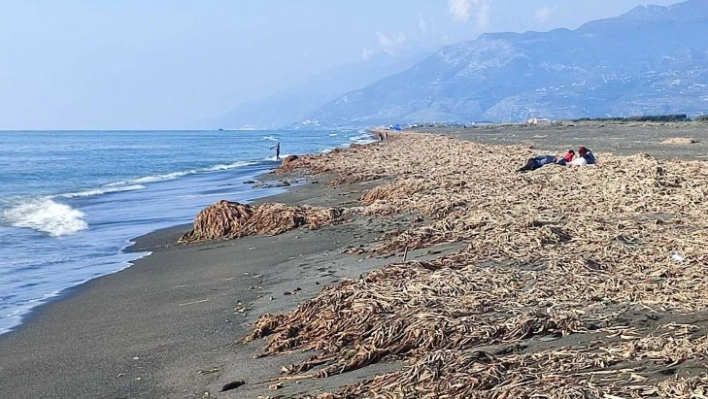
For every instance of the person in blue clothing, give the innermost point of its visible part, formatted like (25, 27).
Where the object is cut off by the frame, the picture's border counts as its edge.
(537, 162)
(587, 154)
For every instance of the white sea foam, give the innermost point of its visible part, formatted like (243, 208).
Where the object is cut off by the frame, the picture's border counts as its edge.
(103, 190)
(333, 135)
(230, 166)
(177, 175)
(158, 178)
(363, 139)
(47, 216)
(282, 156)
(270, 138)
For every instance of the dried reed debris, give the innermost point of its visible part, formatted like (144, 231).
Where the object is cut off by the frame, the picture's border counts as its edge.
(555, 253)
(229, 220)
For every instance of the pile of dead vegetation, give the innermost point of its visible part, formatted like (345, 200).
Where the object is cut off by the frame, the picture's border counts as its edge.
(225, 220)
(557, 293)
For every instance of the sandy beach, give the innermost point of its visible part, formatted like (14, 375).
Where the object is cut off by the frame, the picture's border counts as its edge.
(571, 282)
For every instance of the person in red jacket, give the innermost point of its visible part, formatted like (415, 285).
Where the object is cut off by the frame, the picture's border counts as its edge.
(567, 158)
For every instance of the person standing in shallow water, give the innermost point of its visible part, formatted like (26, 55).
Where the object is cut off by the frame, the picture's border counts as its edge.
(276, 147)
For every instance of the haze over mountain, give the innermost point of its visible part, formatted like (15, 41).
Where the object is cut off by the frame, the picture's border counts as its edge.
(295, 103)
(651, 60)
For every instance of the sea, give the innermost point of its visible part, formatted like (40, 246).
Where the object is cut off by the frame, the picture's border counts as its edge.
(72, 201)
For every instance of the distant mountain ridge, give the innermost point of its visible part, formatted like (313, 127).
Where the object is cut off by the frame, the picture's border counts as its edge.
(651, 60)
(295, 103)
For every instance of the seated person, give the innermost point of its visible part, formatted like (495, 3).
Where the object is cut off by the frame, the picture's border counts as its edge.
(537, 162)
(587, 154)
(579, 161)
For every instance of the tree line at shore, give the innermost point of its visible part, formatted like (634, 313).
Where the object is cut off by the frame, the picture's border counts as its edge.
(647, 118)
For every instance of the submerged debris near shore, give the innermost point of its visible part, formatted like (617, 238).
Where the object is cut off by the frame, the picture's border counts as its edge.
(228, 220)
(574, 283)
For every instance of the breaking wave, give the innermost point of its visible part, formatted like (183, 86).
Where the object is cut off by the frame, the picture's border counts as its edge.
(364, 138)
(47, 216)
(104, 190)
(177, 175)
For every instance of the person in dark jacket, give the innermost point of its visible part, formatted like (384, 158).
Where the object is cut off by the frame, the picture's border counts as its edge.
(587, 154)
(537, 162)
(276, 147)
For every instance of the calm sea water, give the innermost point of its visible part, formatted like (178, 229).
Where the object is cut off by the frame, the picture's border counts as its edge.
(70, 202)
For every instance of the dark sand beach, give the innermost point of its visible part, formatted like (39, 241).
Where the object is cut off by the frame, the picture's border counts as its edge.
(169, 325)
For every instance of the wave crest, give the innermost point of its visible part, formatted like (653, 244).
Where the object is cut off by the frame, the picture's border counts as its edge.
(47, 216)
(104, 190)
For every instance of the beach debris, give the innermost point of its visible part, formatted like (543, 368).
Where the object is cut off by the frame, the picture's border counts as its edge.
(679, 141)
(232, 385)
(275, 386)
(288, 162)
(209, 371)
(587, 276)
(194, 302)
(230, 220)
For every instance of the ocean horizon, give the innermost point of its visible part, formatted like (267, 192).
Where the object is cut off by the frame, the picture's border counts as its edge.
(72, 201)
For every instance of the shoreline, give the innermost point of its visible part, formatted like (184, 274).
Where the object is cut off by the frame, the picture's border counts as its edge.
(45, 329)
(165, 326)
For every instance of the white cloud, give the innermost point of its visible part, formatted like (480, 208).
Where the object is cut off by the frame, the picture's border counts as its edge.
(390, 41)
(545, 13)
(463, 10)
(460, 9)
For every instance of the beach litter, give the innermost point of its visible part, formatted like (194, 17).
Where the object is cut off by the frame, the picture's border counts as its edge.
(563, 290)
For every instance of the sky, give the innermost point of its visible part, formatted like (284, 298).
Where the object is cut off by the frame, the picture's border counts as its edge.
(166, 64)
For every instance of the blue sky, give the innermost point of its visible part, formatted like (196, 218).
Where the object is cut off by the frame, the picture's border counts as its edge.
(164, 64)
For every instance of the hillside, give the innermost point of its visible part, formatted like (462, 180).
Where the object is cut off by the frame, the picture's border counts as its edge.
(295, 103)
(651, 60)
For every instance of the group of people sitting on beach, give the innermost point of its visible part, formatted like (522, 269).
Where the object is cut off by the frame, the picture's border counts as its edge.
(583, 157)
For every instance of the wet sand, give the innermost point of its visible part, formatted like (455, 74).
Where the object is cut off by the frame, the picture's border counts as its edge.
(161, 327)
(166, 327)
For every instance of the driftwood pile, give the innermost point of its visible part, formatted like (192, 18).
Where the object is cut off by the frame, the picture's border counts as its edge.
(225, 220)
(567, 287)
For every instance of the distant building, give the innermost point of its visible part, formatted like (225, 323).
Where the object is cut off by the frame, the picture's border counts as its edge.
(538, 121)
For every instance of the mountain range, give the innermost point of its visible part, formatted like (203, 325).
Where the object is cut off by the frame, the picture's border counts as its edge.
(651, 60)
(294, 104)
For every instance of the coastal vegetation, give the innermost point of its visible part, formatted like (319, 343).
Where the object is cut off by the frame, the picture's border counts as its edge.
(642, 118)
